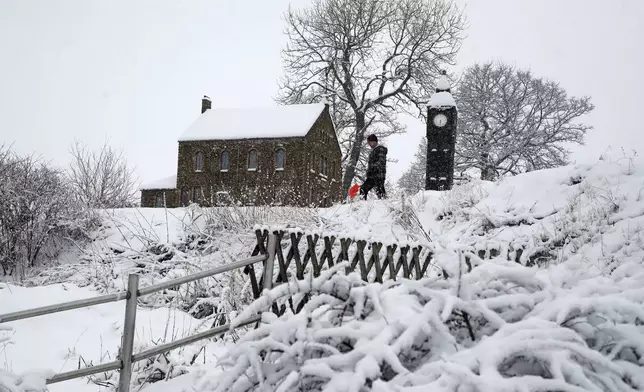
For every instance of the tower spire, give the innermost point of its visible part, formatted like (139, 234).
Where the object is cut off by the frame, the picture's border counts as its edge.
(443, 83)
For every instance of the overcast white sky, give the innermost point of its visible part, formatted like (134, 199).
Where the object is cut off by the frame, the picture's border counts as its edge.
(134, 72)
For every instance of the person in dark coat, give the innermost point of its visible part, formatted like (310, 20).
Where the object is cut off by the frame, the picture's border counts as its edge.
(376, 169)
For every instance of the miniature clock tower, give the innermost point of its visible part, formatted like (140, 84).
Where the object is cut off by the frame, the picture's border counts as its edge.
(441, 137)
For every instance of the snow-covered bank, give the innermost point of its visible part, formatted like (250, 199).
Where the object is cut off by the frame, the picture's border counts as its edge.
(593, 213)
(582, 225)
(69, 340)
(494, 328)
(575, 324)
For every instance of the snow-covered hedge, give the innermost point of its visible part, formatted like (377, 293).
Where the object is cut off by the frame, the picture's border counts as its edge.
(494, 328)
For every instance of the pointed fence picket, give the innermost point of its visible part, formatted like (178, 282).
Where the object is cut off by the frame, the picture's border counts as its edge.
(375, 261)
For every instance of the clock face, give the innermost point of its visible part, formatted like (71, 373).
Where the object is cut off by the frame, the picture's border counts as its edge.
(440, 120)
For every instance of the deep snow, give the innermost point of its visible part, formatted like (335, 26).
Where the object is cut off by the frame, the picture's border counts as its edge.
(581, 223)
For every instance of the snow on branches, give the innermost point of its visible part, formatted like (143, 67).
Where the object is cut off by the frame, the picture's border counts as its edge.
(35, 212)
(492, 328)
(512, 122)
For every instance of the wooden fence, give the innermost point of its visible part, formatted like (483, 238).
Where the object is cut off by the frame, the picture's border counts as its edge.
(375, 261)
(298, 253)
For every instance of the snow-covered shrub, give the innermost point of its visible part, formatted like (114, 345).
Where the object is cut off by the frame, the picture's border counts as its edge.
(240, 219)
(521, 333)
(101, 178)
(460, 200)
(36, 214)
(406, 215)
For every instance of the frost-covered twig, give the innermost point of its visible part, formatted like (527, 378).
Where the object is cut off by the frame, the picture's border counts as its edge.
(520, 335)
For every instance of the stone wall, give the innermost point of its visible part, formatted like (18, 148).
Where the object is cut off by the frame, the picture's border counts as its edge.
(149, 197)
(323, 187)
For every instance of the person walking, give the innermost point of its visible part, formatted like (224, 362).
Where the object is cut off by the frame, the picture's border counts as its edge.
(376, 169)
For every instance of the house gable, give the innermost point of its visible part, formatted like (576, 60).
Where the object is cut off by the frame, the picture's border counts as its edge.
(323, 170)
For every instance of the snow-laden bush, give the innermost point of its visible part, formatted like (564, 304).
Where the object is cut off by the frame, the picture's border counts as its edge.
(462, 198)
(240, 219)
(36, 214)
(494, 328)
(101, 178)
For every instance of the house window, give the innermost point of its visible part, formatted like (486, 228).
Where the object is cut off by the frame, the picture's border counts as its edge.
(199, 161)
(196, 194)
(159, 201)
(280, 157)
(225, 161)
(252, 160)
(184, 197)
(323, 166)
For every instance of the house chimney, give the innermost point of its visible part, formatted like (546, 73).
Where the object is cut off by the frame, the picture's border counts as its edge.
(206, 103)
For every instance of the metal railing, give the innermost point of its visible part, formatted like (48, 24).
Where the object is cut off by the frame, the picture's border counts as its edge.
(131, 296)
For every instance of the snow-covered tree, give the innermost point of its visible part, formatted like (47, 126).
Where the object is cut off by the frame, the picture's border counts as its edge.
(413, 179)
(512, 122)
(101, 179)
(35, 210)
(370, 60)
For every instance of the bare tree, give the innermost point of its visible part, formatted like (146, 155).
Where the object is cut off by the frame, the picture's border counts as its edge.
(370, 60)
(101, 179)
(413, 179)
(511, 122)
(34, 210)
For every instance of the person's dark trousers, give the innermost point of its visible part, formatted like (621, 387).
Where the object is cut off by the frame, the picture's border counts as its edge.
(370, 184)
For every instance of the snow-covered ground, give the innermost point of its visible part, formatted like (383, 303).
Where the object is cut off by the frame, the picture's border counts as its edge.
(580, 228)
(61, 341)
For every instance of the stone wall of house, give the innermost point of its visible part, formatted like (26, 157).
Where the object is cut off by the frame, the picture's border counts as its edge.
(304, 181)
(324, 169)
(153, 197)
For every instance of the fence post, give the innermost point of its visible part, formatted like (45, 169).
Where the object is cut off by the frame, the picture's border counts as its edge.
(127, 344)
(270, 262)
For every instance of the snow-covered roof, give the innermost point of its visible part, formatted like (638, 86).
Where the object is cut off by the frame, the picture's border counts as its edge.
(443, 83)
(254, 123)
(164, 183)
(442, 99)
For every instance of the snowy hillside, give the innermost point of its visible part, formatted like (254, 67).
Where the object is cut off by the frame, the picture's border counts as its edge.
(547, 296)
(576, 324)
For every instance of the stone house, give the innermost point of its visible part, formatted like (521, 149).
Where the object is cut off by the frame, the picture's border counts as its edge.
(280, 155)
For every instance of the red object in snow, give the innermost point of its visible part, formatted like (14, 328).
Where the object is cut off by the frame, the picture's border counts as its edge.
(354, 191)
